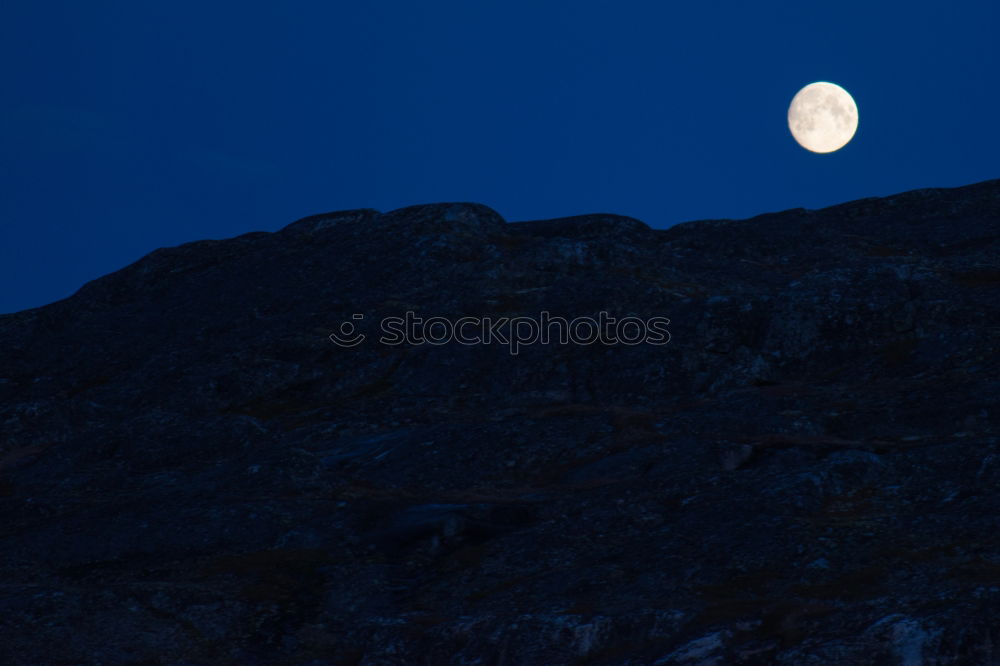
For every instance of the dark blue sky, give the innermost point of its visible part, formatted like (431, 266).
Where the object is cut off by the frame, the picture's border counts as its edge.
(127, 126)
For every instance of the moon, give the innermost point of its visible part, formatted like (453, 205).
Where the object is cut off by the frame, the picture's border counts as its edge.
(823, 117)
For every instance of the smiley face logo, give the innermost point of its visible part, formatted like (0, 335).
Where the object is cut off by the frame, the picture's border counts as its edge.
(348, 335)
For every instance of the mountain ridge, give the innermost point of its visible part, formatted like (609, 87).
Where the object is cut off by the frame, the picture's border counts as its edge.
(314, 222)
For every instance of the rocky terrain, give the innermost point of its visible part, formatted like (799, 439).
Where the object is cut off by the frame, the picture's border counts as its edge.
(808, 472)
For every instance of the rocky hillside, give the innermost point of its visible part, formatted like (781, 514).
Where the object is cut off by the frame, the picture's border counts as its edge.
(193, 472)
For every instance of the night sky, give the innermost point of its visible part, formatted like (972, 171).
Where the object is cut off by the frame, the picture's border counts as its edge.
(128, 126)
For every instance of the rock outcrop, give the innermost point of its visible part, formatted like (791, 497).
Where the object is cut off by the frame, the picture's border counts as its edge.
(193, 472)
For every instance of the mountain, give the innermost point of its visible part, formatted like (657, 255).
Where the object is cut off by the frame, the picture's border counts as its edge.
(783, 451)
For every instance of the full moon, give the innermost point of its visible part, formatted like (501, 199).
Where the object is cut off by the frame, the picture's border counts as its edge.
(823, 117)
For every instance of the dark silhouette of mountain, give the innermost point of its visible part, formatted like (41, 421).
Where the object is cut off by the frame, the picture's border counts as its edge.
(808, 472)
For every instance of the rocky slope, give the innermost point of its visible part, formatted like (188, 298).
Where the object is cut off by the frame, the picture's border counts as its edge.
(192, 472)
